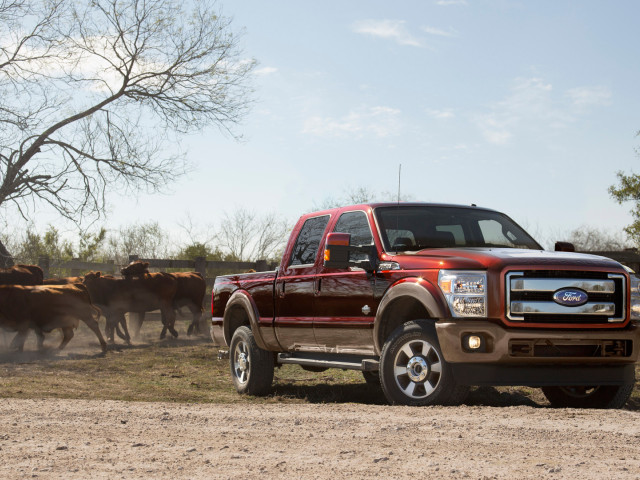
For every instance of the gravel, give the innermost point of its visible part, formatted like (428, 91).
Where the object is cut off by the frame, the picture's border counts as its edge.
(70, 439)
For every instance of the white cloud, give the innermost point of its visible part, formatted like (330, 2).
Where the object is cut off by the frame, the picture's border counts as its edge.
(439, 32)
(446, 3)
(583, 97)
(387, 29)
(377, 121)
(441, 114)
(265, 70)
(528, 104)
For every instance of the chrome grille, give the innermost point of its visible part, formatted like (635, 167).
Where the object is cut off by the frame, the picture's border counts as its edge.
(529, 297)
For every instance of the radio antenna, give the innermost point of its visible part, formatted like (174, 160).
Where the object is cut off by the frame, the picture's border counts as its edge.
(399, 177)
(398, 205)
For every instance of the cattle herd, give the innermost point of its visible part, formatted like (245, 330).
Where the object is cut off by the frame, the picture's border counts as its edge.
(30, 302)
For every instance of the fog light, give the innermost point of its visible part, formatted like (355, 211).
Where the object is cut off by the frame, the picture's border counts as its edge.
(474, 342)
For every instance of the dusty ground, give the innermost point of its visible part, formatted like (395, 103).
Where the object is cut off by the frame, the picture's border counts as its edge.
(106, 439)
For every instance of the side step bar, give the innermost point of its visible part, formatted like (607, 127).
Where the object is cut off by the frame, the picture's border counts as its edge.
(345, 362)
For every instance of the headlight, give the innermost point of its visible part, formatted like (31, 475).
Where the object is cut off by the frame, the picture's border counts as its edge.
(466, 292)
(635, 297)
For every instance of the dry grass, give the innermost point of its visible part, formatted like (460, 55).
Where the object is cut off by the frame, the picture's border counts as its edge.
(187, 370)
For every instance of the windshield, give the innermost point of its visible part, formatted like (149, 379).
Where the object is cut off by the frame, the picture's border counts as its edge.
(413, 228)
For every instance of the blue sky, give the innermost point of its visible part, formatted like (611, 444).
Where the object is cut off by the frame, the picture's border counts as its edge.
(525, 107)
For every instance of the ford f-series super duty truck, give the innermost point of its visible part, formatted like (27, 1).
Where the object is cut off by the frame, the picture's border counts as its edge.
(429, 299)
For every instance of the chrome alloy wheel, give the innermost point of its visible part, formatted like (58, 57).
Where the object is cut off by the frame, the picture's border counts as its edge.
(417, 368)
(241, 362)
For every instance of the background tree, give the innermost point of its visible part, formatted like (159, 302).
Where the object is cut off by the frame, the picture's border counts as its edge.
(361, 194)
(34, 245)
(592, 239)
(147, 240)
(628, 190)
(93, 95)
(90, 246)
(247, 236)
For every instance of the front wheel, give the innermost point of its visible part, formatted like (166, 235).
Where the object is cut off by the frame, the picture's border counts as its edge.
(603, 396)
(251, 366)
(414, 371)
(372, 378)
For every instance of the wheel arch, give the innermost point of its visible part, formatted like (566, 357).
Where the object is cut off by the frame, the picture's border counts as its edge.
(241, 310)
(408, 299)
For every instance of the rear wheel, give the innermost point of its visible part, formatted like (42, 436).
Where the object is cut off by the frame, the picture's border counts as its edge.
(414, 371)
(251, 366)
(603, 396)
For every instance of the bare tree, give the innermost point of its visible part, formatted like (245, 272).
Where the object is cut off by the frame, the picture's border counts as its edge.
(94, 94)
(196, 235)
(147, 240)
(246, 236)
(592, 239)
(357, 195)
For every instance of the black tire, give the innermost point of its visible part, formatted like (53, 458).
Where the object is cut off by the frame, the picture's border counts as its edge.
(413, 370)
(372, 378)
(251, 366)
(603, 396)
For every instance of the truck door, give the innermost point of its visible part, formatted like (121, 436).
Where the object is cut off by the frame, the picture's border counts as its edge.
(295, 288)
(345, 307)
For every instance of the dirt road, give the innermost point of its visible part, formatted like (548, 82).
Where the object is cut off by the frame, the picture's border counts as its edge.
(103, 439)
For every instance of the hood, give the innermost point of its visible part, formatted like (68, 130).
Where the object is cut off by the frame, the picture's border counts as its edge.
(484, 258)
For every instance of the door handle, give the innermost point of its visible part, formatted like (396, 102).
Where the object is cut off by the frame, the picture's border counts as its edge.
(318, 285)
(281, 290)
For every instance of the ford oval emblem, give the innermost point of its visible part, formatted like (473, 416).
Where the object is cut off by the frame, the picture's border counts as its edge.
(570, 297)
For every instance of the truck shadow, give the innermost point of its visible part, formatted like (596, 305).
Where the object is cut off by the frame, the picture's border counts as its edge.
(372, 395)
(503, 397)
(333, 393)
(366, 394)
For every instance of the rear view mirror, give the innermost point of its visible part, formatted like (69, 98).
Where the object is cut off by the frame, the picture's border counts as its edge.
(338, 249)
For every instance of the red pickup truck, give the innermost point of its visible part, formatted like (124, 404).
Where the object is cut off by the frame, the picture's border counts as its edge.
(429, 299)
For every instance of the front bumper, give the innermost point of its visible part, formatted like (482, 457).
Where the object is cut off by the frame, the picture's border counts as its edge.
(510, 346)
(539, 358)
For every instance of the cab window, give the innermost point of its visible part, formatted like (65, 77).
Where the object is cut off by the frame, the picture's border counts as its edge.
(357, 224)
(306, 247)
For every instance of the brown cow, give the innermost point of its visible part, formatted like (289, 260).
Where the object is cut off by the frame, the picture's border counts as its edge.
(116, 296)
(190, 293)
(80, 280)
(62, 280)
(21, 275)
(45, 308)
(135, 268)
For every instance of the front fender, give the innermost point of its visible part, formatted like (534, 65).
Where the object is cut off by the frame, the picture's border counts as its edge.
(242, 299)
(416, 288)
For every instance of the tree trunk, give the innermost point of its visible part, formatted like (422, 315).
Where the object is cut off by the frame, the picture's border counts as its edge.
(6, 260)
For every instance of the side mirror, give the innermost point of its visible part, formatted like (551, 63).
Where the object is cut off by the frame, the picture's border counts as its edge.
(565, 247)
(338, 249)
